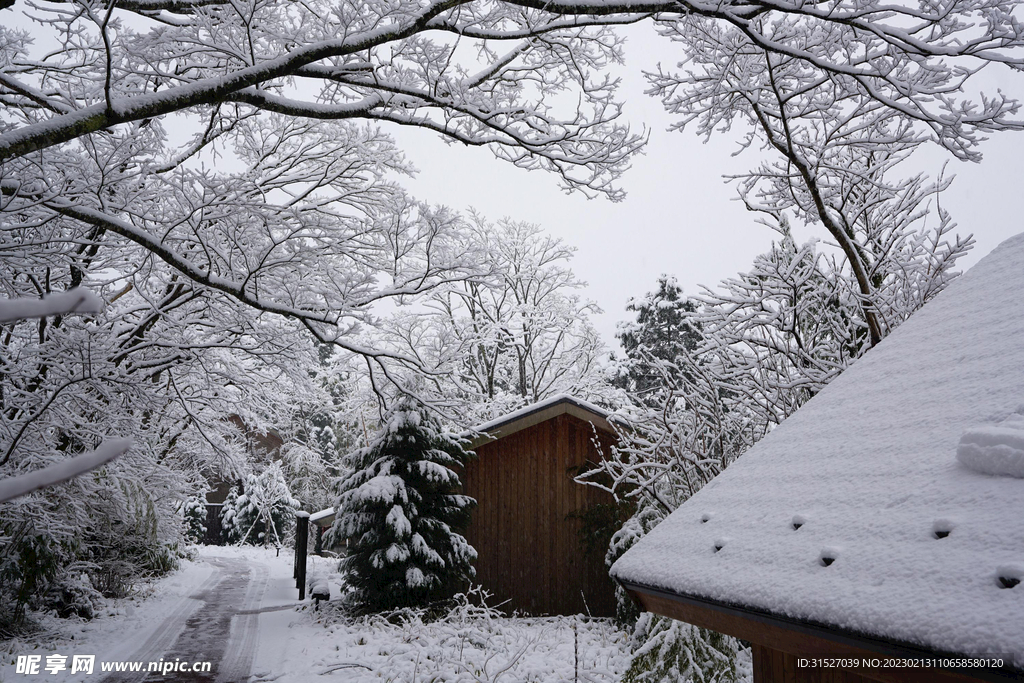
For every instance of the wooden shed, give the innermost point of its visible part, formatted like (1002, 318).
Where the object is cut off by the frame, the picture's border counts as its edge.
(876, 534)
(526, 528)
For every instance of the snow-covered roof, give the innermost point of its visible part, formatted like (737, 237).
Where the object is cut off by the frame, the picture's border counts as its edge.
(536, 413)
(323, 517)
(884, 471)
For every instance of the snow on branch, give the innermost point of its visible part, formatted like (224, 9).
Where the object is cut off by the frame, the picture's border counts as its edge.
(14, 487)
(77, 300)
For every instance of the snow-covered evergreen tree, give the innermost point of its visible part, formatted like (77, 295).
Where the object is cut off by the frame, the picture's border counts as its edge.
(229, 516)
(664, 328)
(670, 650)
(402, 514)
(194, 513)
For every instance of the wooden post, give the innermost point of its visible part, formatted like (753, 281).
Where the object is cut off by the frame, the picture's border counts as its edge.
(319, 547)
(301, 539)
(295, 555)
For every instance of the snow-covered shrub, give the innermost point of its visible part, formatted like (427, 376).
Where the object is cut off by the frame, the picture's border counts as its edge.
(124, 550)
(402, 515)
(194, 512)
(665, 649)
(28, 565)
(114, 529)
(35, 578)
(631, 531)
(670, 650)
(74, 595)
(263, 512)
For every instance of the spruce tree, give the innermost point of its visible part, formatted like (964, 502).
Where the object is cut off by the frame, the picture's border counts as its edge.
(402, 515)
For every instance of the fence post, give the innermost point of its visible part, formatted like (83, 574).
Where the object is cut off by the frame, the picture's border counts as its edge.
(301, 539)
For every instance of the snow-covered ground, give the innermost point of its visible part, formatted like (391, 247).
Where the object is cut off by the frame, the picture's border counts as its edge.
(296, 643)
(471, 645)
(117, 630)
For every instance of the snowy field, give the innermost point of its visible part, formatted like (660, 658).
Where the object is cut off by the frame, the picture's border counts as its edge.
(471, 645)
(296, 643)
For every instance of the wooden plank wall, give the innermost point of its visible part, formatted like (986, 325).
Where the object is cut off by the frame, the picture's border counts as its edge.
(529, 551)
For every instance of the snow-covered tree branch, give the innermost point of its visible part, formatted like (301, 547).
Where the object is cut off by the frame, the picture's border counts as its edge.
(836, 139)
(518, 335)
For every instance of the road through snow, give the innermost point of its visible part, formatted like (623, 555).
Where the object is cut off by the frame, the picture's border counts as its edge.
(219, 623)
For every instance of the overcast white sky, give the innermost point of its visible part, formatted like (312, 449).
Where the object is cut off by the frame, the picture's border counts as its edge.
(679, 217)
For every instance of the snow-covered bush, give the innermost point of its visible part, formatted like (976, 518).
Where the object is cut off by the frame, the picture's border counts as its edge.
(74, 595)
(631, 531)
(670, 650)
(124, 550)
(194, 512)
(35, 578)
(263, 512)
(29, 564)
(104, 524)
(402, 515)
(665, 649)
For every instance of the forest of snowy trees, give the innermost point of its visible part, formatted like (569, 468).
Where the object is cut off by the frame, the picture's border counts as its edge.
(220, 179)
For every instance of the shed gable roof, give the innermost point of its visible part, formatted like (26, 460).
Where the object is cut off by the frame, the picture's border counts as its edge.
(535, 413)
(866, 474)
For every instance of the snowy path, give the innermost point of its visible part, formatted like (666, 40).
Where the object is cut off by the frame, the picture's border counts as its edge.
(219, 623)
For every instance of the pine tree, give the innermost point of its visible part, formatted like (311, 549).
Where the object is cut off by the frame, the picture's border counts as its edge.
(402, 515)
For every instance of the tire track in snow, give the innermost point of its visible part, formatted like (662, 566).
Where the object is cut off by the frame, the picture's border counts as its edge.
(222, 628)
(166, 633)
(241, 651)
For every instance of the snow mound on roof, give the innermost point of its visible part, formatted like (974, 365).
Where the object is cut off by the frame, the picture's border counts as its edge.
(994, 449)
